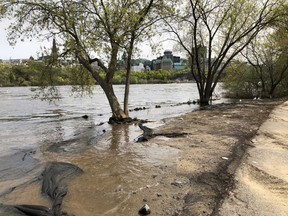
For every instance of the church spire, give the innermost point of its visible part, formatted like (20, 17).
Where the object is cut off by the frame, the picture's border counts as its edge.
(54, 53)
(54, 47)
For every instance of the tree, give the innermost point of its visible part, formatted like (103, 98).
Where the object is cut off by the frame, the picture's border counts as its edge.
(92, 31)
(268, 55)
(269, 60)
(241, 80)
(214, 32)
(139, 29)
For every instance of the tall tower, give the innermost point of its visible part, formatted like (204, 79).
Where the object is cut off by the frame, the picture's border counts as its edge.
(53, 59)
(168, 54)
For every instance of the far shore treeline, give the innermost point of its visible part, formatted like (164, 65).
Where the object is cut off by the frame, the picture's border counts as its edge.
(39, 74)
(246, 83)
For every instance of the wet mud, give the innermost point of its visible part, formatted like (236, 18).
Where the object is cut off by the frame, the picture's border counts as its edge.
(17, 165)
(54, 184)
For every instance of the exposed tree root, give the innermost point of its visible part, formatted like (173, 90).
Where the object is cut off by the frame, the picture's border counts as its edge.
(148, 133)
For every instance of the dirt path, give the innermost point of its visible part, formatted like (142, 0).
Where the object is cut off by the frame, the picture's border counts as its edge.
(262, 179)
(210, 155)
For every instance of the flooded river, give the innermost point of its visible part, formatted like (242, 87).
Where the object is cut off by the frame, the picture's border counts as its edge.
(34, 132)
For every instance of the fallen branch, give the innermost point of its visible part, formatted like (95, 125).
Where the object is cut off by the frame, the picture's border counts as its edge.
(148, 133)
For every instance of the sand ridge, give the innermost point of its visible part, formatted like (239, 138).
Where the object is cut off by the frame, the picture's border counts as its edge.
(262, 178)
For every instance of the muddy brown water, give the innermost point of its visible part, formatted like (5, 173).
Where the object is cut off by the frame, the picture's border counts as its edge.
(33, 132)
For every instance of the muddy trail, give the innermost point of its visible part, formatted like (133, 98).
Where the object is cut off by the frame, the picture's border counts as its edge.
(101, 172)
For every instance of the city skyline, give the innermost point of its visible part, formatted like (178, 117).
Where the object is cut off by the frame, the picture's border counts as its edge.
(26, 49)
(23, 50)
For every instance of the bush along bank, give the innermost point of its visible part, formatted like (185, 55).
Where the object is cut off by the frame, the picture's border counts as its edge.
(39, 74)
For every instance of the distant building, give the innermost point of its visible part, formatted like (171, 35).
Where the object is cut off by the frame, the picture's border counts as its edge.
(15, 61)
(164, 64)
(138, 68)
(138, 65)
(181, 65)
(51, 59)
(168, 62)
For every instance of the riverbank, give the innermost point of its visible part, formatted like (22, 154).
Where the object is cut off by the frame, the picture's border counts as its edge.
(220, 140)
(190, 175)
(261, 181)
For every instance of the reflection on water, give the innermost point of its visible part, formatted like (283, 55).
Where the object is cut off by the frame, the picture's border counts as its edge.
(114, 173)
(114, 165)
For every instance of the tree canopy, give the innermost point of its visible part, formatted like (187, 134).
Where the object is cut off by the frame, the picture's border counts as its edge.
(213, 32)
(265, 72)
(92, 31)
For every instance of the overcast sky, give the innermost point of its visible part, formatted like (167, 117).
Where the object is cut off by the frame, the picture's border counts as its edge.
(23, 50)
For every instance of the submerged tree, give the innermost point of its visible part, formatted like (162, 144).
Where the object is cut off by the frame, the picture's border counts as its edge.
(214, 32)
(92, 31)
(139, 23)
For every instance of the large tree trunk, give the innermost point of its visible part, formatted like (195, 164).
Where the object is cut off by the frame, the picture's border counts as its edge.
(126, 94)
(117, 112)
(271, 92)
(205, 95)
(204, 99)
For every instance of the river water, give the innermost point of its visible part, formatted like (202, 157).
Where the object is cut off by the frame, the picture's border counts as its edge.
(111, 160)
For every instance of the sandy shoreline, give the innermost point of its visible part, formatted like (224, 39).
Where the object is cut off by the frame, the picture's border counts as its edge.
(219, 139)
(262, 179)
(205, 174)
